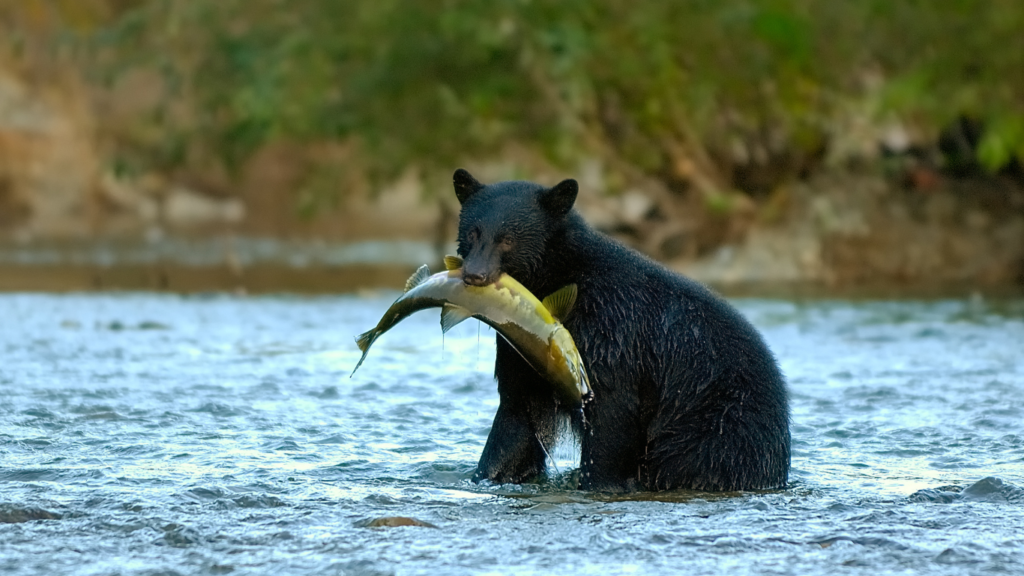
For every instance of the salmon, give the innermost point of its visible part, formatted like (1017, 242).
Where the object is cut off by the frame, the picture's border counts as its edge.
(532, 327)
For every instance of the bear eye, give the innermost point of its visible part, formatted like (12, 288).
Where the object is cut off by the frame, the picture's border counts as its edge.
(473, 236)
(506, 243)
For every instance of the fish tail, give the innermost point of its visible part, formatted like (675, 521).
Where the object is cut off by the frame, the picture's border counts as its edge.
(364, 341)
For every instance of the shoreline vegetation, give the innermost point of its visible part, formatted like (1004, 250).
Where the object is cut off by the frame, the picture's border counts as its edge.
(841, 146)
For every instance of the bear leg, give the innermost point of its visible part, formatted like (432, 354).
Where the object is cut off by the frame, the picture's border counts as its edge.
(724, 445)
(610, 452)
(526, 424)
(513, 452)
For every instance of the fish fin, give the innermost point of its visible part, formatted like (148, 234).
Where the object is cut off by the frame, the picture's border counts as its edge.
(364, 341)
(561, 301)
(452, 262)
(417, 278)
(452, 315)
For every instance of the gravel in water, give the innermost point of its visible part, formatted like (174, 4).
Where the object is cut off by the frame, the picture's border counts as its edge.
(154, 434)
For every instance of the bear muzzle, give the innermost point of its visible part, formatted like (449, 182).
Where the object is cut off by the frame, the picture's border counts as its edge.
(475, 278)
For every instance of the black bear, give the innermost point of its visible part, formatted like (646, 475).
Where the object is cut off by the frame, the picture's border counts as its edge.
(686, 393)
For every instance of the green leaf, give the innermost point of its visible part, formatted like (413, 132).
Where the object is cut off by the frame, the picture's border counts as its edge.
(1002, 141)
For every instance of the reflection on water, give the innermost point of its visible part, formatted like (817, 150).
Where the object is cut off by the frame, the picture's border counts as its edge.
(144, 434)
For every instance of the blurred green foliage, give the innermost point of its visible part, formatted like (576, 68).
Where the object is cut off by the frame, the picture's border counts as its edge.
(434, 82)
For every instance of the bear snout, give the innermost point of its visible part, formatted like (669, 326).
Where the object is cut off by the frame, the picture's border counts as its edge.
(475, 279)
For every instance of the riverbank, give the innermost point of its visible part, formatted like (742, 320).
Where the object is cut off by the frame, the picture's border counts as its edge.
(902, 221)
(260, 266)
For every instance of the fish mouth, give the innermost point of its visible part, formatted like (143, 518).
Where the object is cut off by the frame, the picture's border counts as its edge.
(586, 392)
(581, 392)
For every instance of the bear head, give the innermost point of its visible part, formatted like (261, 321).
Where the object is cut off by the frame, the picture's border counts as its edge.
(506, 227)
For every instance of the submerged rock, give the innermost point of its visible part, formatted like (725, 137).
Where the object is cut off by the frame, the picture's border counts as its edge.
(988, 489)
(393, 522)
(934, 495)
(16, 514)
(992, 489)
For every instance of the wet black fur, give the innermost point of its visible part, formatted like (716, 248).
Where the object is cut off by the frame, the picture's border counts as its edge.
(686, 393)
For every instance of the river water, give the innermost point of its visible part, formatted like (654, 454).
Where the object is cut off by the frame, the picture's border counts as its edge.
(157, 434)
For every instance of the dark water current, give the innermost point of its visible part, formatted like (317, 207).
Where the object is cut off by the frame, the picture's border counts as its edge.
(153, 434)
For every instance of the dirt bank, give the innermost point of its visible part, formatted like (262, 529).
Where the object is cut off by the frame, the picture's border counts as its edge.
(839, 228)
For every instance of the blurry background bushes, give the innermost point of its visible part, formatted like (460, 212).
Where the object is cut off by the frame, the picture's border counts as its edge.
(727, 99)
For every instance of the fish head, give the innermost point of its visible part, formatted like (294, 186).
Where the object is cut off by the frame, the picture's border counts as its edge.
(571, 380)
(505, 227)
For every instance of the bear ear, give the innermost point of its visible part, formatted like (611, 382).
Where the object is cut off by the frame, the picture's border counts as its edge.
(465, 185)
(558, 199)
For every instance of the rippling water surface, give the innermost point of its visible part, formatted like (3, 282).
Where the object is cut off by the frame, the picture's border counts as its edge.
(153, 434)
